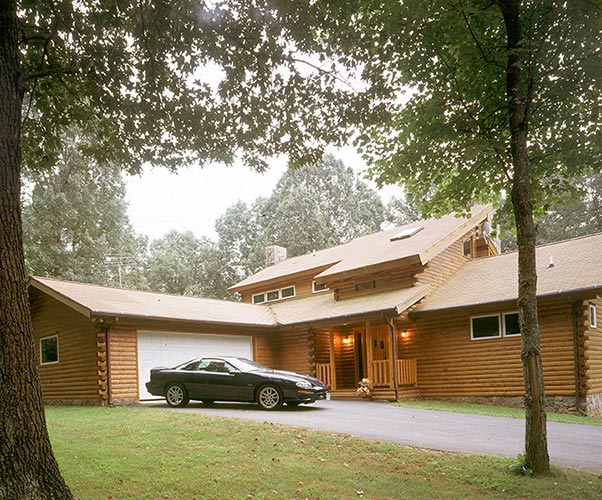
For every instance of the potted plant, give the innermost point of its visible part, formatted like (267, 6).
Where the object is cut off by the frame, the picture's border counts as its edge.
(364, 388)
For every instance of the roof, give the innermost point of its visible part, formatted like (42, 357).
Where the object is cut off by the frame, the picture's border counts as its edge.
(362, 254)
(323, 306)
(95, 300)
(577, 267)
(101, 301)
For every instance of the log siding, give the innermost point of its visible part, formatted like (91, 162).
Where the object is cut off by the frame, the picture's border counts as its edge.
(592, 340)
(74, 377)
(450, 364)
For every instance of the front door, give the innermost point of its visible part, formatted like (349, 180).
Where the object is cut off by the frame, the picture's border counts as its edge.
(378, 353)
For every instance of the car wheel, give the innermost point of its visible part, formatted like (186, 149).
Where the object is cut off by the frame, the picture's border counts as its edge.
(269, 397)
(176, 395)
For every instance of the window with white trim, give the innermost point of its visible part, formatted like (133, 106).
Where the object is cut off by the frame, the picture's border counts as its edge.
(593, 322)
(511, 325)
(272, 295)
(258, 298)
(49, 350)
(318, 287)
(485, 327)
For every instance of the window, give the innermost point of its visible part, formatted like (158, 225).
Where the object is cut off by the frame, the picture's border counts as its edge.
(318, 287)
(593, 323)
(511, 326)
(468, 247)
(378, 283)
(258, 298)
(49, 350)
(485, 327)
(367, 285)
(283, 293)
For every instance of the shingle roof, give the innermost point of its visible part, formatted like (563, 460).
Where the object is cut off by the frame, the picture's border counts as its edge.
(324, 307)
(94, 300)
(374, 249)
(577, 266)
(98, 301)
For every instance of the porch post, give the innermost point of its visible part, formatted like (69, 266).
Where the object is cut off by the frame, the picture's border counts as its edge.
(394, 355)
(369, 353)
(333, 370)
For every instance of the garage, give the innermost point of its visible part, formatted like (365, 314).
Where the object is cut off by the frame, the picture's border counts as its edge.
(170, 349)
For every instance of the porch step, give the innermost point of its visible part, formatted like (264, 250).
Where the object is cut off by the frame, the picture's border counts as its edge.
(344, 394)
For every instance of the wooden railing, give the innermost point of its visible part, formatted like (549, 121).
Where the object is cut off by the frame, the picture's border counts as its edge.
(407, 372)
(324, 373)
(381, 373)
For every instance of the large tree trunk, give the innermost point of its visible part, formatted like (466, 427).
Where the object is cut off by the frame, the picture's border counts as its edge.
(28, 469)
(536, 446)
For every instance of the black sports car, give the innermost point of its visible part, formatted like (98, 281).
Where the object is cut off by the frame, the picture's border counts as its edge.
(233, 379)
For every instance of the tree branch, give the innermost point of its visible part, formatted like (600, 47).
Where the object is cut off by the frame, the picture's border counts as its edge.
(36, 75)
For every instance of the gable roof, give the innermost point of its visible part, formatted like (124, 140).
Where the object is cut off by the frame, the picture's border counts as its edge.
(101, 301)
(379, 249)
(577, 267)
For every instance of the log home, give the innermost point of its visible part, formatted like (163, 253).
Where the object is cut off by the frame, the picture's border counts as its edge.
(423, 310)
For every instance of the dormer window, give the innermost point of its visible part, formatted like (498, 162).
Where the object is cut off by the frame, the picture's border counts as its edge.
(272, 295)
(407, 233)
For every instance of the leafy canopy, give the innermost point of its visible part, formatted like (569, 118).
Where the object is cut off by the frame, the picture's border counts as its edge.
(450, 142)
(174, 83)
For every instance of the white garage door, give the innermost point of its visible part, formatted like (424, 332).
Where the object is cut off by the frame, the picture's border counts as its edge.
(171, 349)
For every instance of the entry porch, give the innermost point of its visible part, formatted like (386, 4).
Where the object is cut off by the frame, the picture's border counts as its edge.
(346, 354)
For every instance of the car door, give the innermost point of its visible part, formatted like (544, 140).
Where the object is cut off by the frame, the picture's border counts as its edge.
(221, 380)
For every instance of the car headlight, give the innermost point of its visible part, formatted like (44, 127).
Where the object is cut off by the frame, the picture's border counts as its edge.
(302, 384)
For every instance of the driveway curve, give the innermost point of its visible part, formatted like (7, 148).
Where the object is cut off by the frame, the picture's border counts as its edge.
(572, 445)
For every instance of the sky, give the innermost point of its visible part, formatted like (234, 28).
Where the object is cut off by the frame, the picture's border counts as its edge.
(194, 198)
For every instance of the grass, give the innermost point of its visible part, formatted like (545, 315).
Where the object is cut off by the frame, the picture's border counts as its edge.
(495, 411)
(146, 453)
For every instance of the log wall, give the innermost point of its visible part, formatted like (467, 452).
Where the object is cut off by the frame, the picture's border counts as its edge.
(297, 352)
(441, 267)
(74, 377)
(592, 339)
(123, 363)
(450, 364)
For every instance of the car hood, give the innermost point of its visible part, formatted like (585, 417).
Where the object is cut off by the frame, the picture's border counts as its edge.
(293, 377)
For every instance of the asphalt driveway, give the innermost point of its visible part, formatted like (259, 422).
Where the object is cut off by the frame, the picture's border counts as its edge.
(572, 445)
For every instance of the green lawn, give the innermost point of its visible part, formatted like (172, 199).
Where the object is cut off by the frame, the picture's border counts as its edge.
(146, 453)
(496, 411)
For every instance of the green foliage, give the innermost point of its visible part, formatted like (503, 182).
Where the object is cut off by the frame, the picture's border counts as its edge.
(75, 222)
(181, 264)
(579, 215)
(520, 466)
(449, 144)
(173, 83)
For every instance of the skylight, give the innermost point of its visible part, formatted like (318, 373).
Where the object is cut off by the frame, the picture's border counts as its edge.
(407, 233)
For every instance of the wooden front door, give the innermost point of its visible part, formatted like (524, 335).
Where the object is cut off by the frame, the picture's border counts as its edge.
(378, 352)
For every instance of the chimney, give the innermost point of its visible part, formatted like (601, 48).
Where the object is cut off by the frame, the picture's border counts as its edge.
(274, 255)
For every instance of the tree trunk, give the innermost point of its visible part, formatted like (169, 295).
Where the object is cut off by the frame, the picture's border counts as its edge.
(28, 469)
(536, 446)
